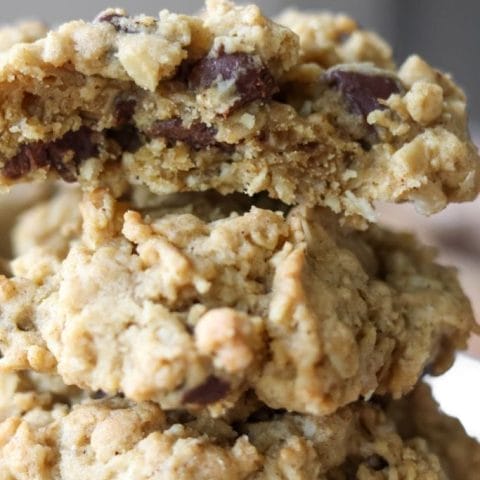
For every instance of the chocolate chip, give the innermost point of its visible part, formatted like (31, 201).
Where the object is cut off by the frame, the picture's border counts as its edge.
(124, 110)
(198, 135)
(99, 394)
(120, 21)
(376, 462)
(80, 142)
(363, 90)
(79, 145)
(109, 16)
(63, 155)
(30, 157)
(252, 79)
(128, 137)
(182, 73)
(212, 390)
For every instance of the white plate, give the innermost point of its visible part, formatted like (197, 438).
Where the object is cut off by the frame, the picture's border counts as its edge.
(458, 392)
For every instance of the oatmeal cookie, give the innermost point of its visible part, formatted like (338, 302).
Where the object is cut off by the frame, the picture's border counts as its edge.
(22, 32)
(30, 394)
(114, 438)
(191, 300)
(229, 101)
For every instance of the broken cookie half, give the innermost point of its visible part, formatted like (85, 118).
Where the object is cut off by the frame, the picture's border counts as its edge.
(232, 101)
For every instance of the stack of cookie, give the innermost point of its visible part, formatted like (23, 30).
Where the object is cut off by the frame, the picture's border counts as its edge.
(210, 299)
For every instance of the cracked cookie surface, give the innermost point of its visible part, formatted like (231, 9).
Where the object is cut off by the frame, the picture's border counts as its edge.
(232, 101)
(191, 300)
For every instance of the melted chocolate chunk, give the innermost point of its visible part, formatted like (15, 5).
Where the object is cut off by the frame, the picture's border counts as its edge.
(252, 79)
(128, 137)
(99, 394)
(109, 17)
(212, 390)
(78, 146)
(198, 135)
(362, 90)
(30, 157)
(124, 110)
(183, 71)
(121, 22)
(63, 155)
(376, 462)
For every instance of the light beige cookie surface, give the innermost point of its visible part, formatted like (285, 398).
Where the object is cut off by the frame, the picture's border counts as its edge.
(113, 438)
(30, 394)
(22, 32)
(232, 101)
(191, 300)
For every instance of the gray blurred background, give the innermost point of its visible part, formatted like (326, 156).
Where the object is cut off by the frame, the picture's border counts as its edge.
(445, 32)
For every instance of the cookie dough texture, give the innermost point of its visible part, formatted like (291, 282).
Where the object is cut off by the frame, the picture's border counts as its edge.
(329, 39)
(191, 300)
(113, 438)
(29, 394)
(232, 101)
(22, 32)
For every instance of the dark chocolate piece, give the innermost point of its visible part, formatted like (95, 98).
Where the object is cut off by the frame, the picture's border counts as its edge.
(252, 78)
(63, 155)
(212, 390)
(121, 22)
(30, 157)
(128, 137)
(361, 90)
(124, 110)
(98, 395)
(198, 135)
